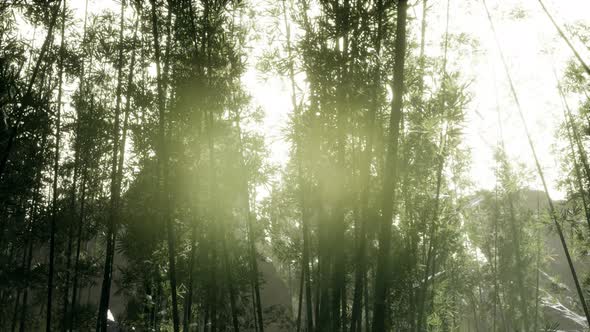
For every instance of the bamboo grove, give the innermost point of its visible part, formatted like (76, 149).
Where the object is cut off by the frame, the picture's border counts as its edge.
(138, 190)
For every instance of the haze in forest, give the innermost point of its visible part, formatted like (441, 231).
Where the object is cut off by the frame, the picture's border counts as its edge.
(294, 165)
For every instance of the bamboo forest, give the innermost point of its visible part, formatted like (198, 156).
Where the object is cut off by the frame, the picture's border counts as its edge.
(295, 165)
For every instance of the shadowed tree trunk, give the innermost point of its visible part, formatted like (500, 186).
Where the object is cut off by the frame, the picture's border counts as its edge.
(115, 191)
(360, 269)
(390, 177)
(162, 154)
(54, 209)
(250, 233)
(343, 112)
(30, 241)
(305, 271)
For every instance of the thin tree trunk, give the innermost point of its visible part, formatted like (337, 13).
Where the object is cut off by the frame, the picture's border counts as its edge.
(30, 240)
(163, 159)
(115, 190)
(318, 285)
(78, 249)
(390, 177)
(473, 309)
(566, 39)
(250, 231)
(542, 176)
(128, 94)
(249, 220)
(366, 302)
(65, 316)
(64, 323)
(253, 307)
(365, 179)
(305, 271)
(206, 316)
(18, 294)
(569, 126)
(82, 194)
(495, 262)
(23, 313)
(307, 274)
(538, 258)
(573, 136)
(443, 142)
(518, 255)
(227, 264)
(338, 311)
(214, 289)
(230, 285)
(255, 273)
(189, 297)
(55, 177)
(300, 298)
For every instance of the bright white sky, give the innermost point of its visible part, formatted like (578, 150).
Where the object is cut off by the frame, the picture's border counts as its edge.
(523, 41)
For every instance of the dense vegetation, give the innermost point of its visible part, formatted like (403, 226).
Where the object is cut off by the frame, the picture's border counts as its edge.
(133, 166)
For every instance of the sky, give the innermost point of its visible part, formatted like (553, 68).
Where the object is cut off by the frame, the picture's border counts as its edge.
(525, 34)
(525, 43)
